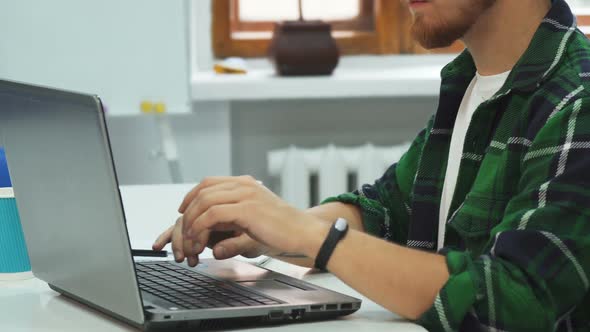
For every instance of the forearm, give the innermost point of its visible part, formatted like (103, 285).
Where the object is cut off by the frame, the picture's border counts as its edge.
(403, 280)
(331, 211)
(327, 213)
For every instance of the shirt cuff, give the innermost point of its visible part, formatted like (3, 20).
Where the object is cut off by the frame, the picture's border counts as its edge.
(457, 296)
(372, 212)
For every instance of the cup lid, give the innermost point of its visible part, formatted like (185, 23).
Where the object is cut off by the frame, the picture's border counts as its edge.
(6, 193)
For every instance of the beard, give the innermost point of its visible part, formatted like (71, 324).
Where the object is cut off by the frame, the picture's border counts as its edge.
(436, 31)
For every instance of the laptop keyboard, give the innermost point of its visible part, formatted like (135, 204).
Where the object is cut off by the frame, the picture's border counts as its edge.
(189, 289)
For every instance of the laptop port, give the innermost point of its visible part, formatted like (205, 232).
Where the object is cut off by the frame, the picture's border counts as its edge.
(331, 307)
(346, 306)
(316, 307)
(277, 314)
(297, 314)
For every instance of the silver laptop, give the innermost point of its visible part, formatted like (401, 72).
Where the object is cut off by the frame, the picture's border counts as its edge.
(61, 165)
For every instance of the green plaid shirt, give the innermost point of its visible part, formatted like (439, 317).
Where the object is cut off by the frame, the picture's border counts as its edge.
(518, 235)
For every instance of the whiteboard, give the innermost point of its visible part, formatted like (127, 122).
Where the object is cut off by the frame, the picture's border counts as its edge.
(125, 51)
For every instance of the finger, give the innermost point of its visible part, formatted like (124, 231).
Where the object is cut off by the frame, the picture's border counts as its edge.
(192, 249)
(207, 182)
(233, 247)
(188, 248)
(219, 217)
(224, 186)
(192, 261)
(163, 239)
(178, 242)
(201, 242)
(213, 198)
(190, 196)
(211, 181)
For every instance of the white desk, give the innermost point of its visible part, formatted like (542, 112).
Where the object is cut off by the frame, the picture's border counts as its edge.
(31, 306)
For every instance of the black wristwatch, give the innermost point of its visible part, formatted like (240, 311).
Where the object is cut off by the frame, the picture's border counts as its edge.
(337, 233)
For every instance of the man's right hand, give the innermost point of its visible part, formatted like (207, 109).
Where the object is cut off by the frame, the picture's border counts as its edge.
(224, 244)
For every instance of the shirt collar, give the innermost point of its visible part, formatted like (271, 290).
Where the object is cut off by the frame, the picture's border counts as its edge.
(537, 63)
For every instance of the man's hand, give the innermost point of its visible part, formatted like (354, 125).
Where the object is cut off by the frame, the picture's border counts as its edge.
(224, 244)
(230, 244)
(244, 206)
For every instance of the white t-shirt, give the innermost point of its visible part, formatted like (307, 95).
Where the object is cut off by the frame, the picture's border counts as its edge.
(481, 89)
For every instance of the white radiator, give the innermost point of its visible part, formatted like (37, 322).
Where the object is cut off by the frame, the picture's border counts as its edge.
(332, 165)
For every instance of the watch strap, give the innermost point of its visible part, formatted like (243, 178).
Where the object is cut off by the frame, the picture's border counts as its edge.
(337, 233)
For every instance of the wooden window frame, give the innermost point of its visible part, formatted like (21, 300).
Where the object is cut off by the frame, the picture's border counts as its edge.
(583, 20)
(360, 23)
(389, 35)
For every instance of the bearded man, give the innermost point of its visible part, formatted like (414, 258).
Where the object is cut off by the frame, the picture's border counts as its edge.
(483, 223)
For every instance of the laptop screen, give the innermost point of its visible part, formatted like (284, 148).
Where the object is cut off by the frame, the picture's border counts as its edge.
(67, 194)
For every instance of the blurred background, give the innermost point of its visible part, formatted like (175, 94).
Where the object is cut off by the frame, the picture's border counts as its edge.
(173, 119)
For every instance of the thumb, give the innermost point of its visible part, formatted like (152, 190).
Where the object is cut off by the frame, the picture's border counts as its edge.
(234, 246)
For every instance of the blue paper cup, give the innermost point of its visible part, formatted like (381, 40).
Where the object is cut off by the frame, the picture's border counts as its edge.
(14, 258)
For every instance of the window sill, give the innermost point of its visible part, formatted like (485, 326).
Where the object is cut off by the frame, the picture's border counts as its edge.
(356, 77)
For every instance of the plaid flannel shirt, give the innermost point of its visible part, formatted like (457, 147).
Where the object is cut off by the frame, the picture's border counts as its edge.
(518, 235)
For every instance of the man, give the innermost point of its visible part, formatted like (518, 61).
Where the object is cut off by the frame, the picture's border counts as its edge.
(495, 192)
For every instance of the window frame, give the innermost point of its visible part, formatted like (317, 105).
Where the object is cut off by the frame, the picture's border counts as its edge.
(388, 37)
(360, 23)
(583, 20)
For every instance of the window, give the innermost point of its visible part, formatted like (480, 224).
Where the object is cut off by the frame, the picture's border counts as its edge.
(582, 10)
(244, 27)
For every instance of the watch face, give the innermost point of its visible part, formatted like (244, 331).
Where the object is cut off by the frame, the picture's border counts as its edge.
(341, 224)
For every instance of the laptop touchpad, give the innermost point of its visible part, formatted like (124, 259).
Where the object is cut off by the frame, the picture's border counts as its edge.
(271, 285)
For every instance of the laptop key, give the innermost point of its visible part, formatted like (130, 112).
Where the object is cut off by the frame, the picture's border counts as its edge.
(236, 303)
(175, 267)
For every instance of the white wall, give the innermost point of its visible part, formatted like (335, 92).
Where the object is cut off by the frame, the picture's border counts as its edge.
(201, 30)
(200, 137)
(258, 127)
(125, 51)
